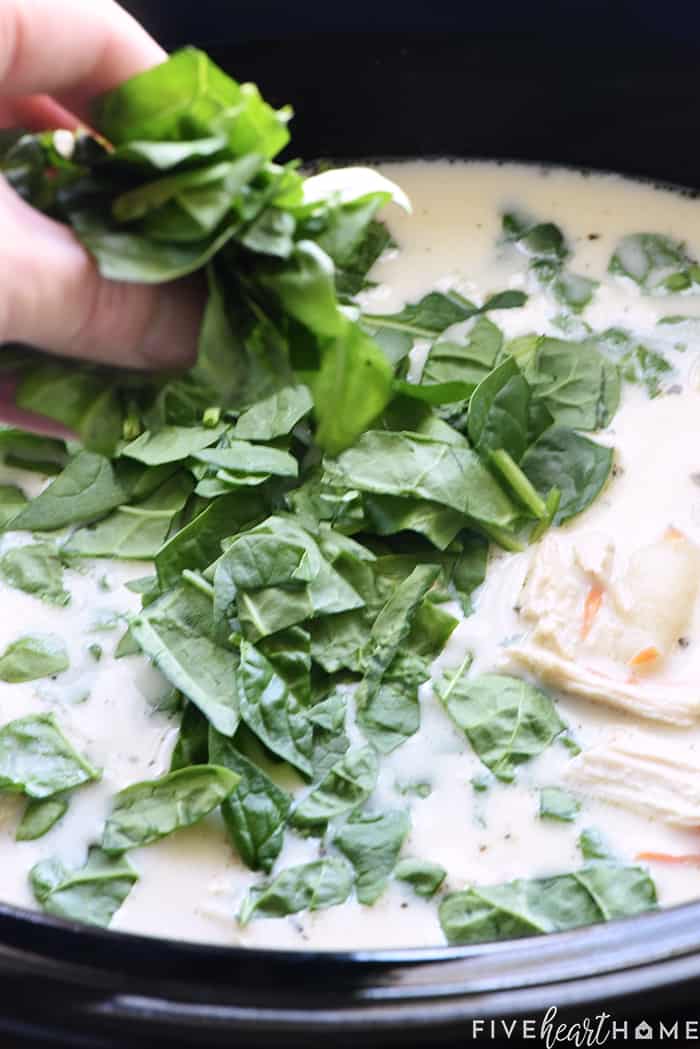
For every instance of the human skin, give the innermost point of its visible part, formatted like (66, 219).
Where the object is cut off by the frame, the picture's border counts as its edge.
(54, 58)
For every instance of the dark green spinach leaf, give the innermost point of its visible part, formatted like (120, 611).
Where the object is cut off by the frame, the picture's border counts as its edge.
(145, 812)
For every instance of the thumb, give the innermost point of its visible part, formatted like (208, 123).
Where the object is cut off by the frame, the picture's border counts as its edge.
(53, 297)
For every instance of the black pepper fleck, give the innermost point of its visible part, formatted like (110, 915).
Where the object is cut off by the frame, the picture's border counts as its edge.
(683, 642)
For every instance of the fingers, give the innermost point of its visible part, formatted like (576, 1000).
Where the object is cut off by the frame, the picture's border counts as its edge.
(35, 113)
(53, 297)
(73, 50)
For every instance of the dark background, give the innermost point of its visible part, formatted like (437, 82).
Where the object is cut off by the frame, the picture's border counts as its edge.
(566, 21)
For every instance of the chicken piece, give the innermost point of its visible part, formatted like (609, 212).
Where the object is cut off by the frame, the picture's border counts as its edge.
(597, 634)
(674, 704)
(632, 773)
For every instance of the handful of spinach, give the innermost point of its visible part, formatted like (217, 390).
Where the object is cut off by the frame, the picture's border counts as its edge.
(183, 177)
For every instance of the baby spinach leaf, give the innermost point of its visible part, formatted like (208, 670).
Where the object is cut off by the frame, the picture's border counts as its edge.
(392, 714)
(529, 907)
(176, 631)
(437, 311)
(162, 156)
(539, 239)
(135, 258)
(187, 97)
(241, 457)
(576, 466)
(289, 652)
(256, 813)
(393, 623)
(199, 543)
(32, 657)
(182, 191)
(330, 742)
(37, 569)
(350, 389)
(304, 285)
(275, 415)
(411, 465)
(310, 886)
(468, 570)
(573, 290)
(637, 363)
(171, 443)
(389, 714)
(269, 609)
(40, 815)
(145, 812)
(646, 367)
(389, 514)
(372, 843)
(271, 711)
(657, 263)
(558, 804)
(85, 399)
(93, 893)
(12, 500)
(428, 317)
(36, 759)
(575, 382)
(506, 720)
(499, 411)
(134, 531)
(593, 846)
(29, 451)
(192, 746)
(344, 787)
(345, 226)
(86, 489)
(468, 363)
(424, 878)
(351, 274)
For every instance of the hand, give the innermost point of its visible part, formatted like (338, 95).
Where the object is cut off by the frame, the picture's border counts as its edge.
(51, 294)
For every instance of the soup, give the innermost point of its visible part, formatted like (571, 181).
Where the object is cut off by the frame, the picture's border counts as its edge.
(486, 758)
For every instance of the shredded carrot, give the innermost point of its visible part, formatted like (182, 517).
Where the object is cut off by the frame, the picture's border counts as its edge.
(673, 533)
(666, 857)
(591, 609)
(643, 658)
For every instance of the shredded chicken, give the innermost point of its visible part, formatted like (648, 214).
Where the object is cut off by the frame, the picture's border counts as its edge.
(632, 773)
(607, 635)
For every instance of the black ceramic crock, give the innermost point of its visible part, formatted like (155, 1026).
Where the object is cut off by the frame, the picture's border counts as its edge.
(585, 86)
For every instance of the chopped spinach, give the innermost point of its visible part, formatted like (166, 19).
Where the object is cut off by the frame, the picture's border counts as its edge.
(596, 893)
(36, 759)
(256, 813)
(37, 569)
(657, 263)
(372, 843)
(310, 886)
(93, 893)
(558, 804)
(424, 878)
(145, 812)
(506, 720)
(40, 815)
(343, 788)
(32, 657)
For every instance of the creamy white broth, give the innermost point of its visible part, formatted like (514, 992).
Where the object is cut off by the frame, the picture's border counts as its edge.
(191, 884)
